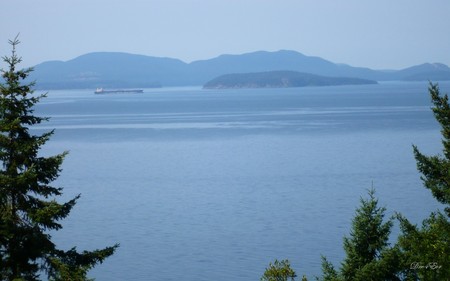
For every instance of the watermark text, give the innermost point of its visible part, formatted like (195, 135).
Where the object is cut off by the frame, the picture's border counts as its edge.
(430, 265)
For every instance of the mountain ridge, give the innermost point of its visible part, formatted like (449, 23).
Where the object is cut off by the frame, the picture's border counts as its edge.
(118, 69)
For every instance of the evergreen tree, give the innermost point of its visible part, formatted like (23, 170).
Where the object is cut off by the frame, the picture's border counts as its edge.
(368, 255)
(426, 249)
(436, 169)
(367, 243)
(28, 206)
(329, 273)
(279, 271)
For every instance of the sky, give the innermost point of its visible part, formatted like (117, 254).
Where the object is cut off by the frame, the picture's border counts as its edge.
(379, 34)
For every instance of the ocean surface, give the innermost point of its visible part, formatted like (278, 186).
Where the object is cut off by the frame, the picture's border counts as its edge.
(215, 184)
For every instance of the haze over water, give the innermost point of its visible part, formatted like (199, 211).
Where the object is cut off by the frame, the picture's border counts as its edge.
(215, 184)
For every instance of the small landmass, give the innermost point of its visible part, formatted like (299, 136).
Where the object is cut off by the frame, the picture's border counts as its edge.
(280, 79)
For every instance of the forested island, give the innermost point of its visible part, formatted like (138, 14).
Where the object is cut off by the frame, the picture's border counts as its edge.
(280, 79)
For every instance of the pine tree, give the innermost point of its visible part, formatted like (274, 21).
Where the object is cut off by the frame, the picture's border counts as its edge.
(28, 206)
(436, 169)
(426, 249)
(368, 255)
(368, 239)
(329, 273)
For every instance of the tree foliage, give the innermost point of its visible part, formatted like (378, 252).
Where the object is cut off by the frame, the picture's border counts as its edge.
(435, 169)
(28, 205)
(329, 273)
(426, 249)
(279, 271)
(367, 245)
(368, 255)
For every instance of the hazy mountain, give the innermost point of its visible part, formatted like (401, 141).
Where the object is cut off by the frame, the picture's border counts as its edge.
(280, 79)
(426, 71)
(121, 70)
(272, 61)
(109, 70)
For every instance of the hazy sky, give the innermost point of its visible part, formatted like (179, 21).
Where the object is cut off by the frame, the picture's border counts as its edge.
(379, 34)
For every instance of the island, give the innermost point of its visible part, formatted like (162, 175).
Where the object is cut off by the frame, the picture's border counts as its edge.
(280, 79)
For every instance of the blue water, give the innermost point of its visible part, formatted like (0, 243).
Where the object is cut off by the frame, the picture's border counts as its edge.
(215, 184)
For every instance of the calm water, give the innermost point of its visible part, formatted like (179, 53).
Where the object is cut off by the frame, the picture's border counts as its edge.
(214, 185)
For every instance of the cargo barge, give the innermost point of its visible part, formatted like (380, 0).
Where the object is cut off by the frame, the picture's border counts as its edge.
(103, 91)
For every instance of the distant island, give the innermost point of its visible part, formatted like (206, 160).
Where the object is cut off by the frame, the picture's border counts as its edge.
(280, 79)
